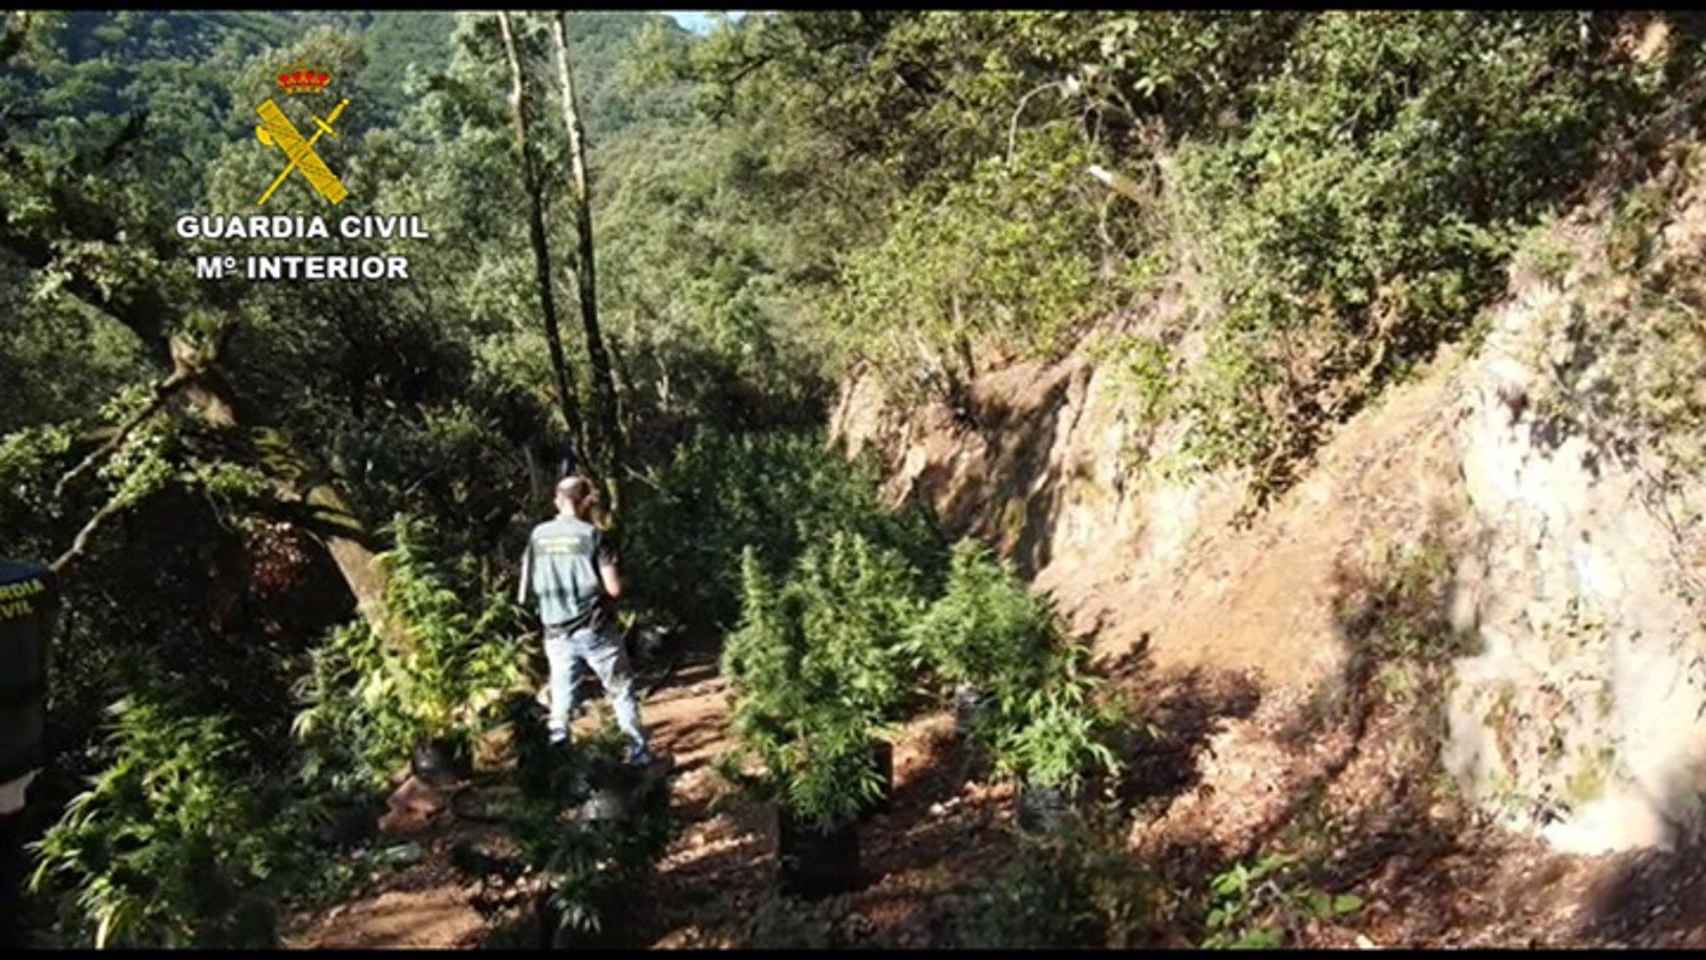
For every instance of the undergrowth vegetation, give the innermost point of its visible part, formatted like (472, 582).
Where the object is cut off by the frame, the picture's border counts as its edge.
(722, 493)
(850, 642)
(1262, 905)
(1368, 176)
(589, 864)
(1075, 887)
(172, 844)
(817, 671)
(1368, 209)
(368, 703)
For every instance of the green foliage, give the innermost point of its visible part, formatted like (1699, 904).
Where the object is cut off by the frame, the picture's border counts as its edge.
(459, 653)
(817, 666)
(1050, 724)
(775, 493)
(1146, 373)
(1060, 731)
(169, 69)
(356, 732)
(1008, 253)
(1365, 177)
(1063, 741)
(368, 703)
(400, 47)
(171, 846)
(1366, 211)
(716, 242)
(1076, 887)
(1411, 607)
(26, 461)
(1257, 906)
(1197, 71)
(1144, 366)
(589, 866)
(986, 628)
(56, 362)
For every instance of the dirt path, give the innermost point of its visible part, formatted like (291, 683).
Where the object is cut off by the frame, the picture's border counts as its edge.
(1234, 773)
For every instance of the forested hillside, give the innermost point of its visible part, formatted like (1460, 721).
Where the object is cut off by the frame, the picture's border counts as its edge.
(840, 274)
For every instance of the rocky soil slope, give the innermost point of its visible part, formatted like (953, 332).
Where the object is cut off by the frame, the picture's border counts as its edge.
(1544, 481)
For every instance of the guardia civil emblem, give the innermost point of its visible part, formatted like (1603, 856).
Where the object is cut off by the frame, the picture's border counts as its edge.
(276, 130)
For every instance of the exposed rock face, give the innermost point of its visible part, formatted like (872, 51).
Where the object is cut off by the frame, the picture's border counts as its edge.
(1589, 698)
(1574, 548)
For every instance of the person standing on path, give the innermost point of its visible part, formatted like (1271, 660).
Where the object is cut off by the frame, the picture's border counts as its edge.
(571, 568)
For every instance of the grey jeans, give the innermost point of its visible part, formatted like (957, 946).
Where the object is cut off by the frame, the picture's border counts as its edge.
(570, 654)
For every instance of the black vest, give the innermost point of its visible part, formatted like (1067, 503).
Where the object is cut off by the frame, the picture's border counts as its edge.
(29, 604)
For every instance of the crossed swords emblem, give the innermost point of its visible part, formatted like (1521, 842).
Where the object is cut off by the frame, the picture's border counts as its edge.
(277, 130)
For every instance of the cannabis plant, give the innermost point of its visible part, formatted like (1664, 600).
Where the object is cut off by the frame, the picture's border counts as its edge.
(816, 667)
(1059, 747)
(986, 630)
(589, 866)
(367, 702)
(169, 847)
(1055, 736)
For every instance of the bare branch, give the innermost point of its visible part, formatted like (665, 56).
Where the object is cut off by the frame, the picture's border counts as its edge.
(1013, 126)
(101, 516)
(1119, 183)
(163, 391)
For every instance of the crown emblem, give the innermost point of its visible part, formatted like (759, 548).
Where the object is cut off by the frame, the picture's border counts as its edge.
(303, 81)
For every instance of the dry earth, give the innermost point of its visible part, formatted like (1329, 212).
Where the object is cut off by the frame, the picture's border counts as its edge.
(1236, 769)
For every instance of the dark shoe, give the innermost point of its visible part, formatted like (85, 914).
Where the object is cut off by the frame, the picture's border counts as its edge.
(645, 758)
(655, 764)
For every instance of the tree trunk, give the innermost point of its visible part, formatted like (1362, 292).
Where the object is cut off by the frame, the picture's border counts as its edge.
(358, 562)
(326, 514)
(604, 386)
(195, 375)
(531, 182)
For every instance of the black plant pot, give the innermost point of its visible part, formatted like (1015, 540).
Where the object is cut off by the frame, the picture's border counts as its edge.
(440, 762)
(816, 864)
(1043, 809)
(971, 707)
(882, 757)
(612, 795)
(647, 645)
(618, 792)
(607, 802)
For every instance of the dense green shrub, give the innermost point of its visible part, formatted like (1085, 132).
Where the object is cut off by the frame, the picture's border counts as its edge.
(588, 864)
(1265, 904)
(1049, 723)
(1064, 738)
(1366, 211)
(1076, 887)
(355, 730)
(1339, 191)
(1010, 252)
(775, 493)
